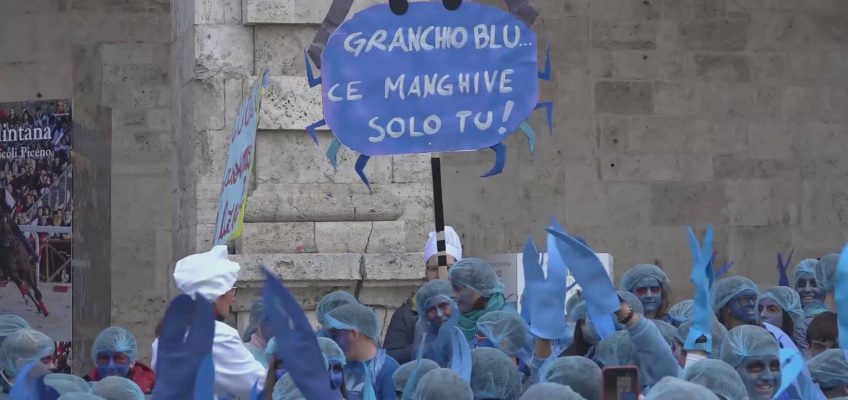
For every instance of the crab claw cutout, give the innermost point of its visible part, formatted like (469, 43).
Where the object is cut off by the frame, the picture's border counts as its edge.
(546, 74)
(361, 162)
(310, 74)
(312, 129)
(500, 160)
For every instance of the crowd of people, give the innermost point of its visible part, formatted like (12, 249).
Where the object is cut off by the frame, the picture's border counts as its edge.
(459, 338)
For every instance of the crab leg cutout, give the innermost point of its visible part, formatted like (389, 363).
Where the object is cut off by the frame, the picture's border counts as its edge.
(546, 74)
(549, 114)
(310, 76)
(500, 160)
(312, 129)
(361, 162)
(531, 136)
(522, 10)
(333, 153)
(335, 16)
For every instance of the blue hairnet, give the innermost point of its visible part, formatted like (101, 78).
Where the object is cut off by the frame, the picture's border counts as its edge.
(23, 347)
(257, 317)
(550, 391)
(332, 301)
(632, 301)
(286, 389)
(579, 373)
(681, 312)
(670, 388)
(429, 291)
(354, 317)
(826, 272)
(443, 383)
(506, 330)
(80, 396)
(115, 339)
(788, 299)
(476, 275)
(64, 383)
(117, 388)
(806, 266)
(829, 369)
(493, 374)
(746, 341)
(717, 376)
(331, 350)
(404, 373)
(616, 349)
(572, 302)
(11, 323)
(726, 289)
(579, 312)
(668, 331)
(641, 271)
(719, 332)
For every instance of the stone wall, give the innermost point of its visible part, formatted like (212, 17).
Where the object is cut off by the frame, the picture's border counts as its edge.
(677, 112)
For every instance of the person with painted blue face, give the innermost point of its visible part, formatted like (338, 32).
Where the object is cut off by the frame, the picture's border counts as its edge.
(804, 282)
(754, 353)
(651, 285)
(735, 301)
(435, 307)
(115, 353)
(781, 306)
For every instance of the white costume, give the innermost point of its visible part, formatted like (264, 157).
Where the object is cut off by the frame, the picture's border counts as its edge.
(211, 275)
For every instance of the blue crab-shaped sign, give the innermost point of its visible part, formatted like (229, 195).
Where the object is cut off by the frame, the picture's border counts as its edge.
(430, 80)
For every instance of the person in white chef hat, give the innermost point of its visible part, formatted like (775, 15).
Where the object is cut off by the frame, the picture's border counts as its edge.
(213, 276)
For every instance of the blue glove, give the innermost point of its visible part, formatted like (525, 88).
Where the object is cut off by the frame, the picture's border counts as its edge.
(783, 279)
(598, 291)
(545, 298)
(296, 342)
(702, 313)
(841, 297)
(185, 351)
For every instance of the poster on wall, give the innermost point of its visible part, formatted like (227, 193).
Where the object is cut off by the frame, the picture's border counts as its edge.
(36, 208)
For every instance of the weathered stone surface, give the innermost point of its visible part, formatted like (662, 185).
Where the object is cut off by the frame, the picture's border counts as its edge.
(290, 104)
(677, 99)
(300, 267)
(217, 11)
(641, 135)
(343, 237)
(656, 168)
(394, 267)
(411, 168)
(722, 67)
(209, 107)
(223, 51)
(624, 65)
(771, 139)
(294, 11)
(728, 34)
(743, 167)
(624, 98)
(321, 203)
(624, 35)
(390, 237)
(688, 203)
(280, 48)
(278, 237)
(748, 203)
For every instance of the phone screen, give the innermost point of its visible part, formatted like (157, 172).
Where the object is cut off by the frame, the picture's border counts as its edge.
(621, 383)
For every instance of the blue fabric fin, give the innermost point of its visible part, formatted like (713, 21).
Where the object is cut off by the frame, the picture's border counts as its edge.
(500, 160)
(782, 266)
(549, 114)
(841, 297)
(588, 271)
(531, 136)
(312, 129)
(24, 387)
(412, 383)
(546, 74)
(460, 354)
(702, 313)
(204, 382)
(333, 152)
(791, 365)
(296, 342)
(310, 75)
(361, 162)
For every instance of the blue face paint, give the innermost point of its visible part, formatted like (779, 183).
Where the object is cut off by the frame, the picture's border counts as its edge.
(761, 376)
(744, 307)
(336, 374)
(649, 292)
(112, 364)
(808, 289)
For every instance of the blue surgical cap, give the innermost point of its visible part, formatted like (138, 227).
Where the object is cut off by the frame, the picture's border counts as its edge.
(493, 375)
(681, 312)
(747, 341)
(115, 339)
(579, 312)
(826, 272)
(23, 347)
(506, 330)
(717, 376)
(331, 350)
(476, 275)
(632, 301)
(579, 373)
(829, 369)
(430, 290)
(404, 373)
(257, 317)
(642, 271)
(719, 332)
(80, 396)
(286, 389)
(788, 299)
(572, 302)
(65, 383)
(726, 289)
(11, 323)
(332, 301)
(443, 383)
(616, 349)
(354, 317)
(806, 266)
(668, 331)
(670, 388)
(550, 391)
(117, 388)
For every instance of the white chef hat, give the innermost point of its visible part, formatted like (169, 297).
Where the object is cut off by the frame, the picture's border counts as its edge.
(209, 274)
(452, 245)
